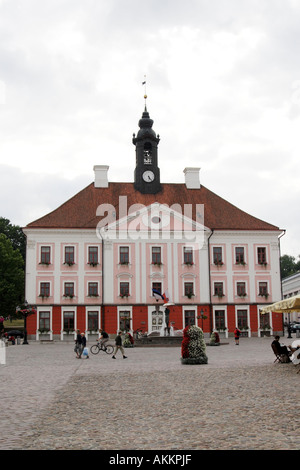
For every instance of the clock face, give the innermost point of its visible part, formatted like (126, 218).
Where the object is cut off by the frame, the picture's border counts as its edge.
(148, 176)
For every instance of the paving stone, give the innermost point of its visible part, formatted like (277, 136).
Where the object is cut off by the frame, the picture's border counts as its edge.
(240, 400)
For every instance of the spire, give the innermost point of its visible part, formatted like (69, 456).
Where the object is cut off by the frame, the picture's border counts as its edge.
(145, 124)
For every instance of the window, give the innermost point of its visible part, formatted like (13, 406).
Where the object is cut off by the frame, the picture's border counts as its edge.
(156, 286)
(124, 321)
(264, 321)
(93, 289)
(69, 289)
(261, 255)
(45, 255)
(93, 321)
(218, 289)
(93, 255)
(44, 289)
(124, 254)
(217, 255)
(69, 255)
(68, 321)
(124, 289)
(189, 289)
(44, 321)
(241, 289)
(156, 255)
(189, 318)
(220, 319)
(242, 319)
(263, 289)
(239, 255)
(188, 255)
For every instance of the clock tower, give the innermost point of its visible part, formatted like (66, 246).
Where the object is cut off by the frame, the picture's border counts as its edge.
(146, 173)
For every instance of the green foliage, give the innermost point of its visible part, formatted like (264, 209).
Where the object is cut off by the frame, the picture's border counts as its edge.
(15, 234)
(11, 277)
(289, 265)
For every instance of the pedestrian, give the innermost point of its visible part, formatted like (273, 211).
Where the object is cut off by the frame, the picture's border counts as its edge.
(119, 346)
(78, 344)
(237, 336)
(83, 342)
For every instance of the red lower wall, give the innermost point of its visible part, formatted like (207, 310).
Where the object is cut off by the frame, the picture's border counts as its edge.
(109, 319)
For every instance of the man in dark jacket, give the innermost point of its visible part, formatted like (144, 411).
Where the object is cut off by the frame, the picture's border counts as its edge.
(280, 348)
(119, 346)
(78, 345)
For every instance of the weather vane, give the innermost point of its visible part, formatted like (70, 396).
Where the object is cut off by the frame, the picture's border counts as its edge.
(145, 93)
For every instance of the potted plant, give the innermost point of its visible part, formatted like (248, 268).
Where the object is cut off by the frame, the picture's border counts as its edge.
(214, 339)
(193, 348)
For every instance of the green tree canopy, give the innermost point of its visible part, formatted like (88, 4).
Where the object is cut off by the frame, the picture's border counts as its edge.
(289, 265)
(11, 277)
(15, 234)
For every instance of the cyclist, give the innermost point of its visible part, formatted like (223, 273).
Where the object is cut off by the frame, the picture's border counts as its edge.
(103, 338)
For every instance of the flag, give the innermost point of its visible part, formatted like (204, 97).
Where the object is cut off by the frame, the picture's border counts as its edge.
(166, 296)
(157, 294)
(160, 296)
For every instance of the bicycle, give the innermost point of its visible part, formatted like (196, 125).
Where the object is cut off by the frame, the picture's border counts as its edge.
(109, 349)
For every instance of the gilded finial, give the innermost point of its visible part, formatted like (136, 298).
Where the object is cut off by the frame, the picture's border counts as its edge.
(145, 93)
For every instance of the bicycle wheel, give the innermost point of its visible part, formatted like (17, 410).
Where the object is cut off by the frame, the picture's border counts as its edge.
(94, 349)
(109, 349)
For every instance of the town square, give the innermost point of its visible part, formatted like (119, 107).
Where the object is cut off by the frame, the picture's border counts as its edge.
(239, 400)
(149, 229)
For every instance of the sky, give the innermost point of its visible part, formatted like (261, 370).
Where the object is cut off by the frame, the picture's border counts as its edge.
(222, 84)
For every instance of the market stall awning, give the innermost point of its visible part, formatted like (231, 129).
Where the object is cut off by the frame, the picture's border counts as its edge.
(291, 304)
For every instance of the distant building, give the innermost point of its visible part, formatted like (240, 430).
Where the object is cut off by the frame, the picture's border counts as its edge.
(291, 287)
(102, 258)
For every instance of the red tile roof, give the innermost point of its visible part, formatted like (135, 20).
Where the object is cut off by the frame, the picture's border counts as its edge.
(79, 212)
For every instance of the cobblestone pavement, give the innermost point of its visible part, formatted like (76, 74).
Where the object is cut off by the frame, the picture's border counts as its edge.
(240, 400)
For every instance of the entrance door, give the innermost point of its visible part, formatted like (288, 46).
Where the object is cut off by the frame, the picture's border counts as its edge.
(156, 319)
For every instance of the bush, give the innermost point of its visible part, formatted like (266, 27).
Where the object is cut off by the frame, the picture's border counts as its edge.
(128, 341)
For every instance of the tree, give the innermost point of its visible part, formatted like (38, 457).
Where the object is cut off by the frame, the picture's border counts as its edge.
(15, 234)
(11, 277)
(288, 266)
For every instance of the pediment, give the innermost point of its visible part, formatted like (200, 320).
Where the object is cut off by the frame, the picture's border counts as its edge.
(155, 221)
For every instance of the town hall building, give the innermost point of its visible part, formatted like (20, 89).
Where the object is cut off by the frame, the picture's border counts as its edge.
(150, 256)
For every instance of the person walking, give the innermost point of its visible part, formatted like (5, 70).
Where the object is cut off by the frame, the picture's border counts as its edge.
(78, 344)
(83, 343)
(237, 336)
(119, 346)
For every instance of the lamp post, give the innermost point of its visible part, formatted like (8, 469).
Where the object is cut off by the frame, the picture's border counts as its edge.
(289, 326)
(202, 317)
(26, 310)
